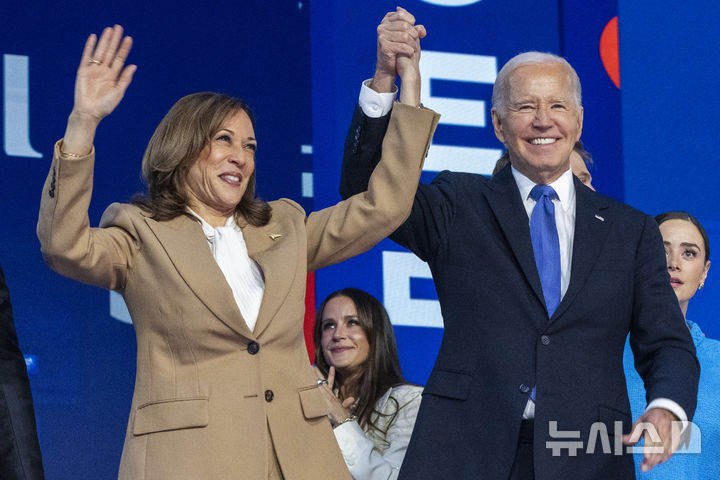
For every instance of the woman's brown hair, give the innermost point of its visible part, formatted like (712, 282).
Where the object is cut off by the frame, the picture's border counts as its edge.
(381, 371)
(177, 142)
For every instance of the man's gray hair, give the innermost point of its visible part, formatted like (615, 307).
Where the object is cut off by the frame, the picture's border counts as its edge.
(500, 89)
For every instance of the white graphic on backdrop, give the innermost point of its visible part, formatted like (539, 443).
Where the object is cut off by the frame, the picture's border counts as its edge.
(307, 178)
(452, 3)
(459, 67)
(16, 99)
(398, 269)
(118, 309)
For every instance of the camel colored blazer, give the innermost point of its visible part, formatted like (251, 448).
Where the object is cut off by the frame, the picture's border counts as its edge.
(212, 399)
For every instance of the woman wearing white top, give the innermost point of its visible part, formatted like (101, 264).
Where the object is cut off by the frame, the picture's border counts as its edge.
(372, 408)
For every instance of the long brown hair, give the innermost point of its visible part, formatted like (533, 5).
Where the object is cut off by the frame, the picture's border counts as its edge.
(177, 143)
(381, 371)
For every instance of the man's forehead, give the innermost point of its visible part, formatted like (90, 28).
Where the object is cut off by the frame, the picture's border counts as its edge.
(521, 82)
(518, 96)
(556, 72)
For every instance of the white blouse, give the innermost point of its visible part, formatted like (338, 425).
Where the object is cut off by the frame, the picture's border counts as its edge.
(368, 455)
(242, 274)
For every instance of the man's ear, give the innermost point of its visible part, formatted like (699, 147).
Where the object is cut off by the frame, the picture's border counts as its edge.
(580, 123)
(497, 125)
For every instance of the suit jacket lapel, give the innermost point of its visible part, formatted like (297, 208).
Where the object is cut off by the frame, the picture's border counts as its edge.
(186, 245)
(504, 199)
(592, 224)
(273, 248)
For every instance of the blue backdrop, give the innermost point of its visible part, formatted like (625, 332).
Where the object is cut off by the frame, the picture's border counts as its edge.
(84, 358)
(300, 64)
(462, 53)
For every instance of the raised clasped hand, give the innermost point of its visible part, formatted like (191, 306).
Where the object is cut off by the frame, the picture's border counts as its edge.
(397, 38)
(102, 76)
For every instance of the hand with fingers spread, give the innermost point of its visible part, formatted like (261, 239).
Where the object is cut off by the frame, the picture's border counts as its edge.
(100, 84)
(398, 50)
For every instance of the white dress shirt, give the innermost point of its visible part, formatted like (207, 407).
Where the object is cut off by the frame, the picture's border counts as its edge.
(374, 105)
(564, 217)
(242, 274)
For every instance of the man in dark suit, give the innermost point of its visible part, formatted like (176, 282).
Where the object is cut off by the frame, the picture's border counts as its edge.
(540, 280)
(19, 450)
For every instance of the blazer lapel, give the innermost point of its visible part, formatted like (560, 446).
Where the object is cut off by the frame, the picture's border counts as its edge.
(592, 224)
(186, 245)
(504, 199)
(273, 248)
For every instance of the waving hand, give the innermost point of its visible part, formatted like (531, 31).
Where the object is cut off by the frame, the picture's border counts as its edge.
(100, 84)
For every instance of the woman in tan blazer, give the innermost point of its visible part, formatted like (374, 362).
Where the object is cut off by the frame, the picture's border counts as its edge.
(223, 388)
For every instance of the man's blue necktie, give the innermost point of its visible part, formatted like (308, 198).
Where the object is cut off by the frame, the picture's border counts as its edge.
(546, 246)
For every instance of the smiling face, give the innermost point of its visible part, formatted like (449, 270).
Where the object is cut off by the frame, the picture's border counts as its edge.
(540, 121)
(685, 251)
(219, 177)
(344, 343)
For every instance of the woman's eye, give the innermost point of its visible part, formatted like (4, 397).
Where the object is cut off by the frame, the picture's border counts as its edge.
(251, 146)
(353, 322)
(690, 253)
(328, 326)
(224, 138)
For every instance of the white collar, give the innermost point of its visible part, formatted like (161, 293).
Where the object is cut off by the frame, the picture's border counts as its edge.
(563, 186)
(209, 230)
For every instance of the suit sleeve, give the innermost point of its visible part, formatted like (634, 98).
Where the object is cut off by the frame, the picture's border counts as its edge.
(96, 256)
(433, 207)
(355, 225)
(362, 458)
(660, 340)
(363, 149)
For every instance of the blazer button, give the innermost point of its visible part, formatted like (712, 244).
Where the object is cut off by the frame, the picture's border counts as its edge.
(253, 348)
(269, 395)
(545, 340)
(524, 388)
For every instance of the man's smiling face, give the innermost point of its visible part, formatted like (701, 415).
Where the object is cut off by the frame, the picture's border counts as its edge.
(541, 120)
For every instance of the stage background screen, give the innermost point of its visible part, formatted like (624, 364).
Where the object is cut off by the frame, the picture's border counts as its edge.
(299, 64)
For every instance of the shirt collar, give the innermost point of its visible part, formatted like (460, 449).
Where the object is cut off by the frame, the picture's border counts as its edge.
(208, 229)
(563, 186)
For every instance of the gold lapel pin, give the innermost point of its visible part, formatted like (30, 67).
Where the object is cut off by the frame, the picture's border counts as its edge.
(275, 236)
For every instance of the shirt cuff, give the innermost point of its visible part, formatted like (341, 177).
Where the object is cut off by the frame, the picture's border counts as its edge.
(679, 412)
(350, 438)
(668, 404)
(374, 104)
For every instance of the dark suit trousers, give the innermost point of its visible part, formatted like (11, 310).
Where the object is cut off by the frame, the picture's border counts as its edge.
(523, 465)
(19, 449)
